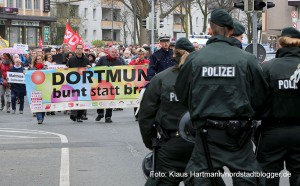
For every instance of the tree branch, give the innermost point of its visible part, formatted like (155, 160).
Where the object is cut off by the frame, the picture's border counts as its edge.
(163, 15)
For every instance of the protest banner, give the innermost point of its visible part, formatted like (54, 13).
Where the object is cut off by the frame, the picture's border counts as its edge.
(86, 88)
(15, 77)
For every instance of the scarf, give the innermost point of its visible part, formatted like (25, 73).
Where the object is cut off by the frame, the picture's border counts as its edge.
(111, 59)
(39, 66)
(7, 62)
(17, 66)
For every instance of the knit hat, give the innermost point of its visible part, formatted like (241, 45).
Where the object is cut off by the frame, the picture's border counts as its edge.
(221, 18)
(238, 28)
(184, 44)
(290, 32)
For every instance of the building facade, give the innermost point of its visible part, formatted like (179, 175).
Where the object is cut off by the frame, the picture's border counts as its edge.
(101, 20)
(24, 21)
(111, 21)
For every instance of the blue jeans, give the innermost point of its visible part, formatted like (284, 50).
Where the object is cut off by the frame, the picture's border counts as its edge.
(40, 116)
(14, 99)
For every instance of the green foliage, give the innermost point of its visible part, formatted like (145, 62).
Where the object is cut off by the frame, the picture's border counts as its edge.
(98, 43)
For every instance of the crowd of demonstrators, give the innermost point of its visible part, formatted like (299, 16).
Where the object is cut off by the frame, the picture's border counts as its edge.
(18, 91)
(38, 59)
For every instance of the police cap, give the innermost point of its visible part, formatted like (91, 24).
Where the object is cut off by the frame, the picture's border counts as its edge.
(238, 29)
(184, 44)
(221, 18)
(164, 38)
(290, 32)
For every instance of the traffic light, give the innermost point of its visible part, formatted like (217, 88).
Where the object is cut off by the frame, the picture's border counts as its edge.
(160, 23)
(259, 5)
(145, 23)
(269, 5)
(239, 5)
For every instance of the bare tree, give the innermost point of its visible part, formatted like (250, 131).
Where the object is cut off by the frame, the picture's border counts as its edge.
(142, 9)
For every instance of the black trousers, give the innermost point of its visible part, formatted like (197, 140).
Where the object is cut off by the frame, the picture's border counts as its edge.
(77, 113)
(172, 158)
(280, 144)
(108, 113)
(223, 152)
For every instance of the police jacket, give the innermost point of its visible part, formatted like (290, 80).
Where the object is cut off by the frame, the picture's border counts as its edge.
(159, 61)
(285, 94)
(237, 42)
(160, 105)
(221, 81)
(75, 61)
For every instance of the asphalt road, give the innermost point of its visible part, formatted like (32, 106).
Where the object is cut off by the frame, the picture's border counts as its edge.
(62, 152)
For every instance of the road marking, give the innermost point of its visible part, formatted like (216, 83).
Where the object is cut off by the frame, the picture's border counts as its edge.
(133, 151)
(65, 161)
(23, 137)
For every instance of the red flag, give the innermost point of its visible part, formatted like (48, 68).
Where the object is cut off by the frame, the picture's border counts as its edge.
(72, 38)
(68, 33)
(81, 41)
(41, 42)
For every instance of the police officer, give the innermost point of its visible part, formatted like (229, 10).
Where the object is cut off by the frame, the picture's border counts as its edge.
(237, 36)
(223, 87)
(160, 105)
(280, 139)
(162, 58)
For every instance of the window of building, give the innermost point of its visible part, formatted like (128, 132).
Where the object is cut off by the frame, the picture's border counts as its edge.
(94, 13)
(85, 33)
(94, 34)
(177, 19)
(36, 4)
(15, 35)
(85, 12)
(28, 4)
(31, 36)
(74, 9)
(10, 3)
(19, 4)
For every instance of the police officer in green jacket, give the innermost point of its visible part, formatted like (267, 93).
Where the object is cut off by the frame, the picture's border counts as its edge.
(160, 105)
(238, 32)
(223, 88)
(280, 139)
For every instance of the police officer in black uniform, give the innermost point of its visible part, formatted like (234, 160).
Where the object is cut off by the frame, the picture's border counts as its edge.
(162, 58)
(160, 105)
(224, 88)
(280, 139)
(237, 36)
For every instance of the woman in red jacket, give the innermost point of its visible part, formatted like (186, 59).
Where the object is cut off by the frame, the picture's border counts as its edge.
(140, 60)
(4, 86)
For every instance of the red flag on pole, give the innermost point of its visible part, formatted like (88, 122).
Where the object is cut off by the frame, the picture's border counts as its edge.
(72, 38)
(41, 42)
